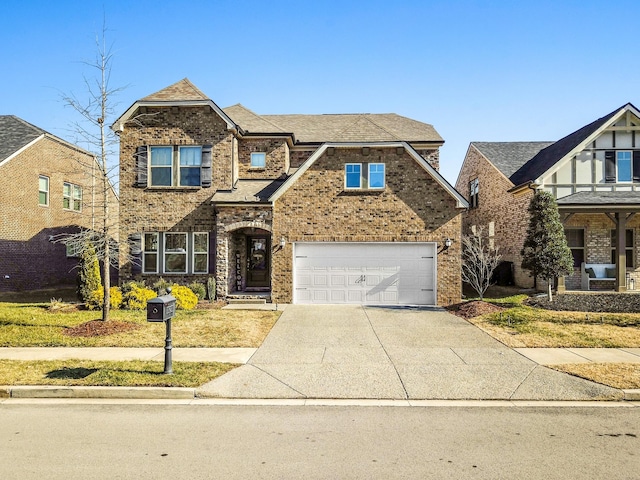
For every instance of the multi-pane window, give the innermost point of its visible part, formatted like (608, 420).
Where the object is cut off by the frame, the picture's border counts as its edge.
(71, 196)
(175, 253)
(575, 241)
(150, 253)
(190, 163)
(628, 243)
(474, 188)
(353, 175)
(175, 167)
(258, 160)
(624, 166)
(376, 175)
(43, 190)
(200, 252)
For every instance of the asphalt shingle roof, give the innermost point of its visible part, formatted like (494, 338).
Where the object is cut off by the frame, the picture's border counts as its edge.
(249, 191)
(508, 157)
(15, 133)
(182, 90)
(601, 198)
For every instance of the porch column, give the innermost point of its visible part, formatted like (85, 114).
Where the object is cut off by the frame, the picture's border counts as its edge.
(621, 252)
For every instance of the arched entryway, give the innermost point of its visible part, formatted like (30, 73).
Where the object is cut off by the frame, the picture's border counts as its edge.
(250, 266)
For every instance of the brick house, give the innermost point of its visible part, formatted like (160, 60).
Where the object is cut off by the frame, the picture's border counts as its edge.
(296, 208)
(594, 173)
(46, 189)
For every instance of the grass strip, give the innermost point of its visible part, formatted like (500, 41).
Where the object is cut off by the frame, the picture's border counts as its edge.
(101, 373)
(617, 375)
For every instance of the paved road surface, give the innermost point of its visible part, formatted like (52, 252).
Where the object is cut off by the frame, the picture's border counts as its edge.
(46, 441)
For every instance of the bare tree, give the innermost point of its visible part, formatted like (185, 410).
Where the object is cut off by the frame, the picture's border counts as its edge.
(95, 110)
(479, 259)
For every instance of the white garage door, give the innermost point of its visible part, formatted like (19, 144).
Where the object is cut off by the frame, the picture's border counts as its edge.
(365, 273)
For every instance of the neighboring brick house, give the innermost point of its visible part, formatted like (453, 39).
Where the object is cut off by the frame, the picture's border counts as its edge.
(594, 173)
(297, 208)
(46, 189)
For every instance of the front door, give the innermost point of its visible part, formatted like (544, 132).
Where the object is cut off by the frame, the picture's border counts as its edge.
(258, 261)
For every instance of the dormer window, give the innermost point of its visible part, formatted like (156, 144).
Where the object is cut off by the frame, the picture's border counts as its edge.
(258, 160)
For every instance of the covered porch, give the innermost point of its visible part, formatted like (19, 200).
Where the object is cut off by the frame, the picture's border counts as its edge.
(601, 229)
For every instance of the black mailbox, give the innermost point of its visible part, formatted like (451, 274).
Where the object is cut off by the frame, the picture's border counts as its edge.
(161, 309)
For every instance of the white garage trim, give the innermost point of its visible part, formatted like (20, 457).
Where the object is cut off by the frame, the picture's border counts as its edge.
(369, 273)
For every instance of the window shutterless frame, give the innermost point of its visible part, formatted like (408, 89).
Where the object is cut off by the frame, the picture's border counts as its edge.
(258, 160)
(175, 252)
(376, 179)
(150, 252)
(43, 191)
(200, 252)
(353, 176)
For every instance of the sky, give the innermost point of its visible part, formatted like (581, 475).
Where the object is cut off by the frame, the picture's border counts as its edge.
(476, 70)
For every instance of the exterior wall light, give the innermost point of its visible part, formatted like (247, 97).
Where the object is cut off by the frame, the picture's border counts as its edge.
(447, 243)
(283, 242)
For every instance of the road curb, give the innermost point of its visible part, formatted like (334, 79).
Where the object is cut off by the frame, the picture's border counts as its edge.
(632, 395)
(144, 393)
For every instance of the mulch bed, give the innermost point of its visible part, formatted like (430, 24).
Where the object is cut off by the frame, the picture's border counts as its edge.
(473, 309)
(98, 328)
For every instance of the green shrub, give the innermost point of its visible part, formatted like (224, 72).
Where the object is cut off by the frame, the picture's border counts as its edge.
(130, 285)
(136, 297)
(211, 288)
(161, 286)
(199, 289)
(89, 281)
(185, 298)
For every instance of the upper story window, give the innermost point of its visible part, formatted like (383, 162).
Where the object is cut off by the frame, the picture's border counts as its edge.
(624, 166)
(353, 175)
(71, 197)
(43, 191)
(175, 166)
(359, 176)
(474, 188)
(376, 175)
(258, 160)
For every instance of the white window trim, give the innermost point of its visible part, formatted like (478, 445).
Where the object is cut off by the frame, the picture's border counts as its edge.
(180, 166)
(157, 252)
(384, 176)
(45, 191)
(175, 166)
(259, 167)
(165, 252)
(71, 197)
(194, 253)
(359, 187)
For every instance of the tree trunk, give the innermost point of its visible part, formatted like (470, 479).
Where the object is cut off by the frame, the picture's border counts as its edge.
(549, 287)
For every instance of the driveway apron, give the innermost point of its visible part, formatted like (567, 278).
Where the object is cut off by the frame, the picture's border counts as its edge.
(401, 353)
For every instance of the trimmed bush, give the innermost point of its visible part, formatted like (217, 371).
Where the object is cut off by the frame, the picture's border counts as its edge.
(199, 289)
(161, 286)
(95, 298)
(211, 288)
(115, 297)
(185, 298)
(136, 297)
(89, 281)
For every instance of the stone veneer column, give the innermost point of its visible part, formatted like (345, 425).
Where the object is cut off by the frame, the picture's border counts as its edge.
(222, 262)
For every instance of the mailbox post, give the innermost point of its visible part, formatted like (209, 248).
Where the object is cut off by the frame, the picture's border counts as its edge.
(163, 309)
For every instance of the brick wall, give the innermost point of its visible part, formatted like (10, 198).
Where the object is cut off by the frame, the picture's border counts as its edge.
(412, 207)
(495, 204)
(27, 257)
(277, 158)
(171, 209)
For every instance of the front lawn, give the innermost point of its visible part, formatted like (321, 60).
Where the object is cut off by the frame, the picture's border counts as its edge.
(33, 325)
(125, 374)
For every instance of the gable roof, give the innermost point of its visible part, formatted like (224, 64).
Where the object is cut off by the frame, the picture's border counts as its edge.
(181, 90)
(509, 157)
(250, 121)
(16, 134)
(548, 157)
(460, 200)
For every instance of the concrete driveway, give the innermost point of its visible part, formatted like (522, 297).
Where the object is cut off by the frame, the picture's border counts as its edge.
(367, 352)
